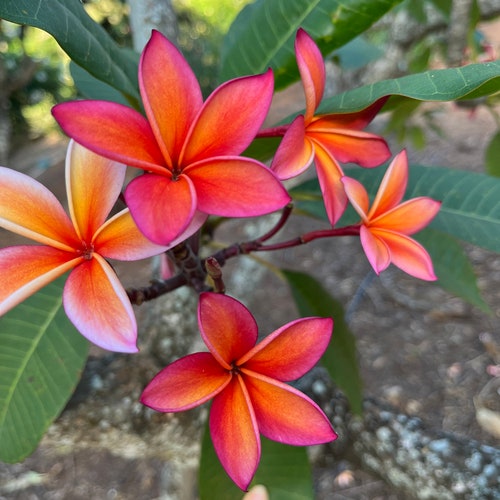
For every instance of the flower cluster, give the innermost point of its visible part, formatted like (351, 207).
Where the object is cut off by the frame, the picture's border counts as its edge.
(190, 155)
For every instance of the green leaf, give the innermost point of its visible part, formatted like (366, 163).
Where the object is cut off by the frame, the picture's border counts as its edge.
(80, 37)
(452, 267)
(340, 357)
(41, 360)
(284, 470)
(263, 34)
(492, 156)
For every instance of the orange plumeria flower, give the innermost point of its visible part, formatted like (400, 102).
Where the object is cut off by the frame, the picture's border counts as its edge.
(93, 297)
(386, 227)
(326, 139)
(246, 382)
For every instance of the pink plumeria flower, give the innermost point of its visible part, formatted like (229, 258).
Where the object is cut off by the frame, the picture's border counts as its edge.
(246, 382)
(189, 148)
(386, 226)
(326, 139)
(93, 298)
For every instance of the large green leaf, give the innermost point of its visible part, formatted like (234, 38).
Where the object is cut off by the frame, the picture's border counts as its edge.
(85, 42)
(284, 470)
(340, 357)
(263, 34)
(41, 359)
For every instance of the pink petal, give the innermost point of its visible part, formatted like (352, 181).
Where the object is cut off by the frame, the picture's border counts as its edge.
(295, 152)
(236, 187)
(161, 207)
(96, 303)
(329, 177)
(171, 94)
(286, 415)
(408, 254)
(376, 250)
(291, 351)
(234, 433)
(312, 71)
(393, 186)
(230, 118)
(227, 327)
(90, 199)
(28, 208)
(27, 269)
(186, 383)
(111, 130)
(357, 195)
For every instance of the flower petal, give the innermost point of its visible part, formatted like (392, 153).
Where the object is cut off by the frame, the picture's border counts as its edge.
(161, 207)
(357, 195)
(171, 94)
(329, 175)
(96, 303)
(111, 130)
(236, 187)
(286, 415)
(295, 152)
(186, 383)
(408, 254)
(28, 208)
(230, 118)
(234, 433)
(291, 351)
(376, 250)
(312, 71)
(28, 268)
(227, 327)
(90, 199)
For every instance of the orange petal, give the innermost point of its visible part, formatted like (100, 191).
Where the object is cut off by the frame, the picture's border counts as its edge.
(97, 304)
(291, 351)
(171, 94)
(295, 152)
(186, 383)
(230, 118)
(28, 208)
(286, 415)
(392, 188)
(312, 71)
(90, 199)
(27, 269)
(227, 327)
(408, 255)
(234, 433)
(236, 187)
(376, 249)
(357, 195)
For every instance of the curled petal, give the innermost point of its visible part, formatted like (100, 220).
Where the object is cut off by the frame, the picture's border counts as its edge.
(90, 199)
(357, 195)
(96, 303)
(408, 254)
(171, 94)
(312, 71)
(376, 250)
(28, 208)
(295, 152)
(111, 130)
(28, 268)
(227, 327)
(234, 432)
(186, 383)
(161, 207)
(286, 415)
(230, 118)
(236, 187)
(291, 351)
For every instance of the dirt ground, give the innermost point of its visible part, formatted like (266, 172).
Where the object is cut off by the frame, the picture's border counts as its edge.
(420, 349)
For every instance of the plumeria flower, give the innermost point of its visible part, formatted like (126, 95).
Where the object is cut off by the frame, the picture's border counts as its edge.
(246, 382)
(189, 148)
(386, 226)
(93, 298)
(326, 139)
